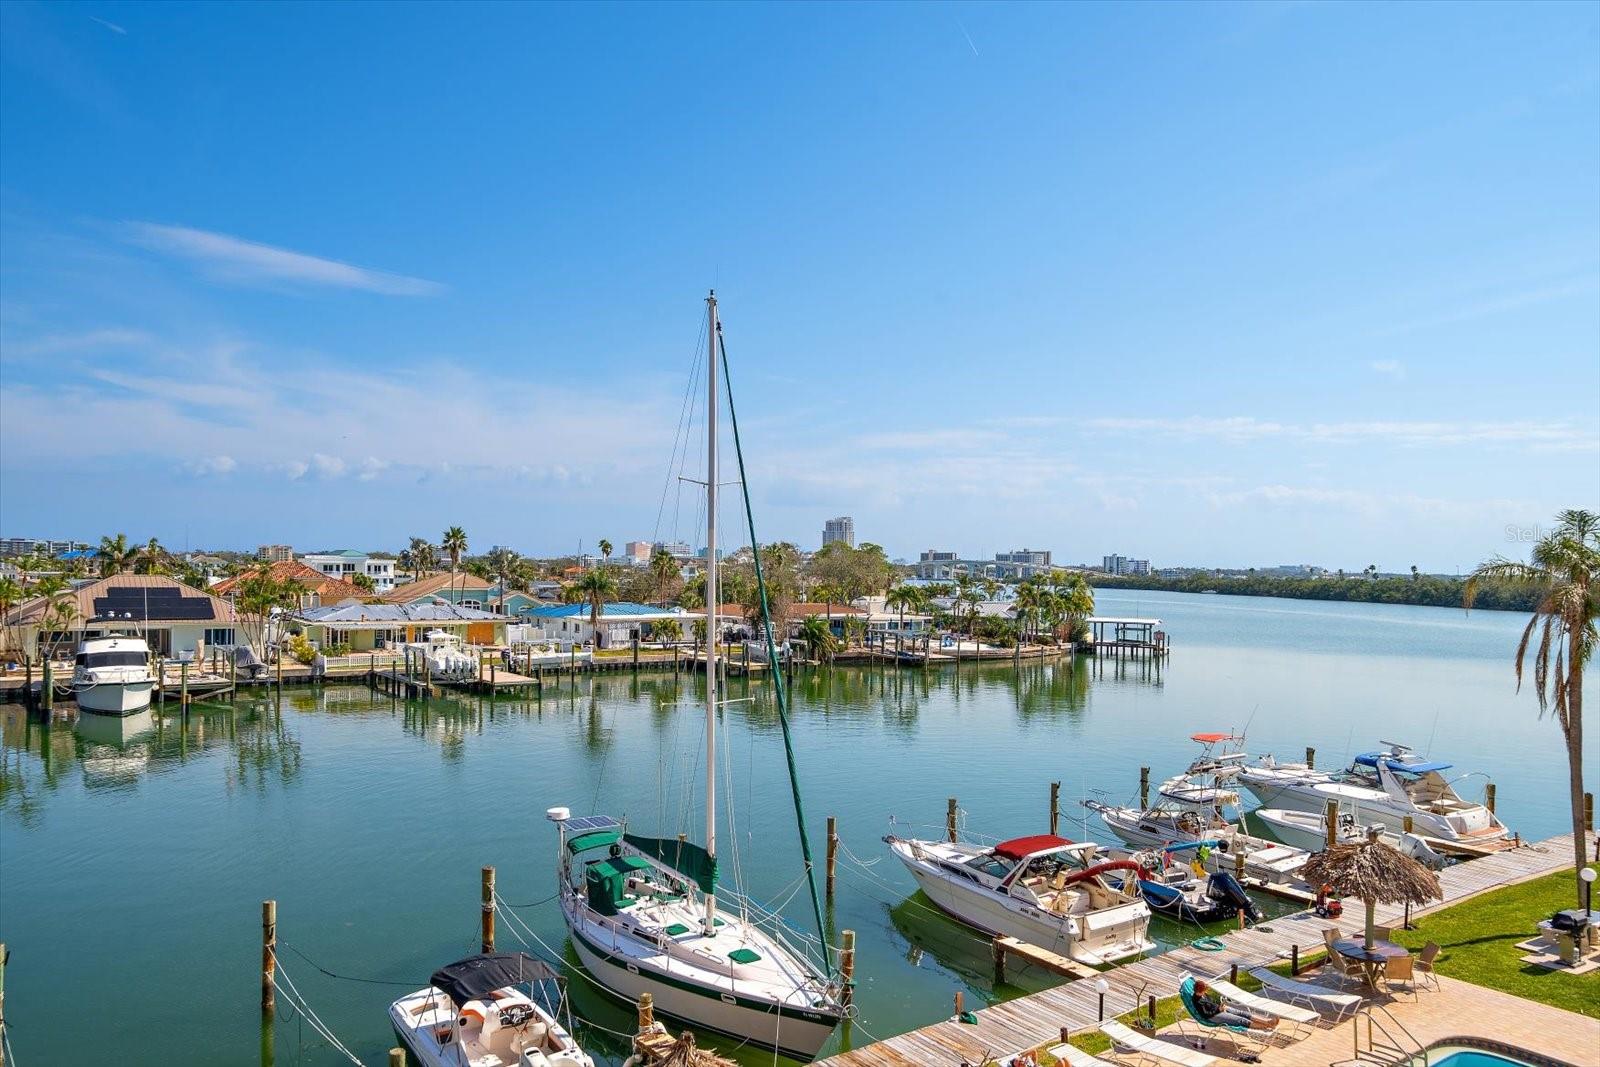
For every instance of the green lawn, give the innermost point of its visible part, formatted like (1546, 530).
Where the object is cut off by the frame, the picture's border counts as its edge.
(1478, 939)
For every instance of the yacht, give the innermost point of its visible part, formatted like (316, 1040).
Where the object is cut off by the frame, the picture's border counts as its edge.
(1309, 830)
(1385, 787)
(445, 656)
(475, 1013)
(1045, 890)
(112, 676)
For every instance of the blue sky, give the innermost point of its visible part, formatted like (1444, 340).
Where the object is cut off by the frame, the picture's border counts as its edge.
(1203, 283)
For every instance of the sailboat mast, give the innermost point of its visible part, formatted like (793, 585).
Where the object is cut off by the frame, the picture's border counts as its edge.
(712, 594)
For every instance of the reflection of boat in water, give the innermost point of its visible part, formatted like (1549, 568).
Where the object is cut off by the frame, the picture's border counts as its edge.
(114, 749)
(115, 729)
(475, 1014)
(1042, 889)
(112, 675)
(956, 947)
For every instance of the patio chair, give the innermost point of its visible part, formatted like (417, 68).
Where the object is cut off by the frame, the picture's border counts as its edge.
(1300, 1020)
(1073, 1056)
(1124, 1037)
(1382, 933)
(1318, 997)
(1424, 964)
(1244, 1039)
(1341, 968)
(1400, 969)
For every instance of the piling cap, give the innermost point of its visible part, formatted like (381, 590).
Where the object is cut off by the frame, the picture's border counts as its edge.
(558, 814)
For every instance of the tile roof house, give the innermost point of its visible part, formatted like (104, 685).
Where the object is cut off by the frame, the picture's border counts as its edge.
(462, 588)
(175, 618)
(316, 588)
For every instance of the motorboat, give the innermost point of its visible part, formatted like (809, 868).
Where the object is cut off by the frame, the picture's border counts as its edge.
(1042, 889)
(111, 675)
(1309, 830)
(1175, 885)
(636, 909)
(476, 1013)
(1385, 787)
(446, 657)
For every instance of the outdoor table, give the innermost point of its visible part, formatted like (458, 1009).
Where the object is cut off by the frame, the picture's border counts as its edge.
(1372, 960)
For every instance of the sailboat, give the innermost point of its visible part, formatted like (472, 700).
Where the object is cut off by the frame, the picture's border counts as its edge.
(643, 913)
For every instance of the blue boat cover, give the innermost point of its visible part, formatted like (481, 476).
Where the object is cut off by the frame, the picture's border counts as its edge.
(1372, 759)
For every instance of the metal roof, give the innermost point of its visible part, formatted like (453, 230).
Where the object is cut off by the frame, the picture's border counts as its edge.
(430, 611)
(621, 608)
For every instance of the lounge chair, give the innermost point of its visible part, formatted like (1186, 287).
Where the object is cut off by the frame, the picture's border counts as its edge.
(1150, 1048)
(1400, 969)
(1318, 997)
(1424, 964)
(1301, 1019)
(1245, 1041)
(1073, 1056)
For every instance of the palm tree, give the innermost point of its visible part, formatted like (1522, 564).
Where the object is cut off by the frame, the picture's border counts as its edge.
(1562, 568)
(454, 544)
(596, 586)
(667, 631)
(902, 597)
(1415, 574)
(502, 563)
(115, 555)
(664, 568)
(423, 556)
(605, 549)
(152, 558)
(818, 636)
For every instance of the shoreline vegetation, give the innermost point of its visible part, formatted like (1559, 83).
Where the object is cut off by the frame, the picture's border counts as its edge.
(1420, 590)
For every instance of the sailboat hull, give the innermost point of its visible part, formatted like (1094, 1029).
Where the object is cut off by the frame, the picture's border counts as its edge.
(794, 1034)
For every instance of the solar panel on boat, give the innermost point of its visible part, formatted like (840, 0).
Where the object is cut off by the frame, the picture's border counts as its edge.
(585, 823)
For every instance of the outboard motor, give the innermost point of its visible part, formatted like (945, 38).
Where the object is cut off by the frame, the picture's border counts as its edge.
(1225, 888)
(1414, 846)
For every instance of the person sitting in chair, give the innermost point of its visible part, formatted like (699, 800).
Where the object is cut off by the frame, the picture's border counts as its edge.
(1218, 1011)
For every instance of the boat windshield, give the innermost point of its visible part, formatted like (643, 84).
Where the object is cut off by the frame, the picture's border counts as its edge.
(111, 659)
(990, 864)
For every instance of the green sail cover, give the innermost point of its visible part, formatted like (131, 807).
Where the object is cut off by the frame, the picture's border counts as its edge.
(691, 861)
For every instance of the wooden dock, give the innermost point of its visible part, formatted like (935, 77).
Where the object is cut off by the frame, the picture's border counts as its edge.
(1030, 1021)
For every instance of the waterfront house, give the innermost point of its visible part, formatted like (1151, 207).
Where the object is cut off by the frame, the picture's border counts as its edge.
(177, 620)
(316, 588)
(346, 563)
(366, 627)
(462, 589)
(883, 619)
(619, 623)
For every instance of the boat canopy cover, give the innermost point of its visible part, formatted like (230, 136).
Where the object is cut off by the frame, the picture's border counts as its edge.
(1211, 739)
(593, 839)
(1022, 847)
(607, 882)
(474, 976)
(691, 861)
(1395, 763)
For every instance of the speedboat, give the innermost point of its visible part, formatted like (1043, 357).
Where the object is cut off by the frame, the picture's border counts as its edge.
(1385, 787)
(1308, 830)
(1043, 889)
(445, 656)
(112, 676)
(1175, 885)
(475, 1014)
(636, 908)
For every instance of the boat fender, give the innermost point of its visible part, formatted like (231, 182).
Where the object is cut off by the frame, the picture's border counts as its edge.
(1207, 944)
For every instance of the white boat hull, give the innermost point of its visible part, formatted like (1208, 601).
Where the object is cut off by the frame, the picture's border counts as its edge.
(114, 698)
(1095, 938)
(790, 1033)
(1276, 790)
(1263, 859)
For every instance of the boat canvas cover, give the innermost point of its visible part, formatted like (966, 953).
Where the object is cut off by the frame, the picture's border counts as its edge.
(689, 860)
(593, 839)
(1394, 763)
(1022, 847)
(475, 976)
(607, 882)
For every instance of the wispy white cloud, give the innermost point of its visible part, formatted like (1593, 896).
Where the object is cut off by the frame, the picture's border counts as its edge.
(81, 341)
(1483, 307)
(1559, 435)
(1389, 368)
(241, 262)
(112, 26)
(215, 466)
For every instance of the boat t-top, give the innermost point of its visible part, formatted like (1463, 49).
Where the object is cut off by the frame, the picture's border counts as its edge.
(1045, 890)
(475, 1013)
(445, 656)
(112, 676)
(1384, 787)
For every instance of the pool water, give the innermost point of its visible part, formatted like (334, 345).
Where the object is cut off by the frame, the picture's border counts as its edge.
(1463, 1056)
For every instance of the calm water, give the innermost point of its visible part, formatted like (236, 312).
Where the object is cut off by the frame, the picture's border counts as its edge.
(132, 870)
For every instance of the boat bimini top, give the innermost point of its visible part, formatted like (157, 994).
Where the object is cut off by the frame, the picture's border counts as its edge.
(477, 976)
(1402, 761)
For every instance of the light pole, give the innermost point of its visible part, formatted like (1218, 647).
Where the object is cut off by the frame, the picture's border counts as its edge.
(1587, 874)
(1101, 986)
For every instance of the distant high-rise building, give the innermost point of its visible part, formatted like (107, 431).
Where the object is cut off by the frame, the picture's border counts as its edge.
(842, 528)
(1124, 566)
(934, 555)
(676, 549)
(638, 551)
(275, 553)
(1033, 557)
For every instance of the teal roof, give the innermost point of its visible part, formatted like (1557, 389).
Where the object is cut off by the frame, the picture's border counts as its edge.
(623, 607)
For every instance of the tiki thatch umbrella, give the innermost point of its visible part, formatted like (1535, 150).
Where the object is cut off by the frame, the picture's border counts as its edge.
(1374, 872)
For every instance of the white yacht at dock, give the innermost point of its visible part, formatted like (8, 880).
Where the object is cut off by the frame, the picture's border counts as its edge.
(111, 675)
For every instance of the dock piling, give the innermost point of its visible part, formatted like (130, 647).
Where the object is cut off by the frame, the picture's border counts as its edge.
(397, 1057)
(950, 820)
(47, 694)
(1144, 788)
(1488, 797)
(269, 958)
(1294, 960)
(183, 687)
(960, 1005)
(847, 967)
(1311, 758)
(488, 909)
(1055, 807)
(647, 1012)
(1332, 820)
(998, 950)
(1588, 811)
(833, 852)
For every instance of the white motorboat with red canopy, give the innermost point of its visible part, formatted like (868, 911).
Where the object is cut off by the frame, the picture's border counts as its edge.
(1042, 889)
(475, 1013)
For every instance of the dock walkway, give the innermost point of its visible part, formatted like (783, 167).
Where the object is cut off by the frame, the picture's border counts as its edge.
(1033, 1020)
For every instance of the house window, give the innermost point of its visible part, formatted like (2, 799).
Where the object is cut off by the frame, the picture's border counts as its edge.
(219, 636)
(475, 605)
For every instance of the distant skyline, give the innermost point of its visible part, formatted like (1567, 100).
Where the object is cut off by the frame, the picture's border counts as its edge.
(1204, 284)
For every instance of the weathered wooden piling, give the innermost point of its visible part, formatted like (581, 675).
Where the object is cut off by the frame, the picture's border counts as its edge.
(1588, 811)
(1055, 806)
(847, 967)
(1294, 960)
(997, 949)
(183, 687)
(1144, 787)
(269, 958)
(950, 820)
(488, 909)
(1332, 820)
(397, 1057)
(47, 692)
(833, 852)
(1311, 758)
(1488, 797)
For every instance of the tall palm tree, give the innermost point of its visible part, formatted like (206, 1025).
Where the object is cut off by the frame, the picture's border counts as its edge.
(818, 636)
(152, 558)
(605, 550)
(503, 564)
(902, 597)
(454, 544)
(423, 556)
(115, 555)
(1562, 568)
(664, 568)
(596, 586)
